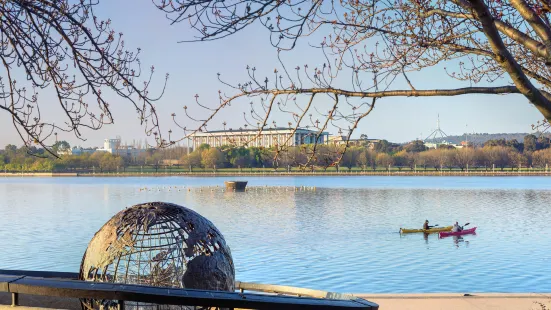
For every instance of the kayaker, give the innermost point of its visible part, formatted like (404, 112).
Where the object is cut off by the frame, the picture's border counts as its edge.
(456, 227)
(426, 225)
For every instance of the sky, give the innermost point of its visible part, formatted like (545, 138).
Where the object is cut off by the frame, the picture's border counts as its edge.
(193, 69)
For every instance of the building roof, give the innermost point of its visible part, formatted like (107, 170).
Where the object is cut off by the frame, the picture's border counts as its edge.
(256, 130)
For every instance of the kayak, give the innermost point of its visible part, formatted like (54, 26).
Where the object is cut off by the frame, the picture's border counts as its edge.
(426, 231)
(459, 233)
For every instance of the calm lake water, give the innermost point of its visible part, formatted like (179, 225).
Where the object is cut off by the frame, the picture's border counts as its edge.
(342, 237)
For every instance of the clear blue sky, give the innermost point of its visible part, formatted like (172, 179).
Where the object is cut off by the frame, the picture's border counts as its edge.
(193, 68)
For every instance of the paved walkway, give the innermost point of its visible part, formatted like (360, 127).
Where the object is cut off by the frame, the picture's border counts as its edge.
(495, 301)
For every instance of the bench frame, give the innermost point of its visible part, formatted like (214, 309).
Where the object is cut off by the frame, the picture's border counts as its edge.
(64, 284)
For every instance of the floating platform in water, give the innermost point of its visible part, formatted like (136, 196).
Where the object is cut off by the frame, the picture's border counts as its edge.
(238, 186)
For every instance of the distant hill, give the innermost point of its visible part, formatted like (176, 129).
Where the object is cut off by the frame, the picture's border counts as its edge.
(480, 138)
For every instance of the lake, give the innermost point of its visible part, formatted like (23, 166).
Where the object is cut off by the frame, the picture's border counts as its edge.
(342, 237)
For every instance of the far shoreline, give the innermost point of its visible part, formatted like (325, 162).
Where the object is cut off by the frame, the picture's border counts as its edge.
(282, 174)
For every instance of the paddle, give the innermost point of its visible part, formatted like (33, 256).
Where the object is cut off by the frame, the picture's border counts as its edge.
(467, 224)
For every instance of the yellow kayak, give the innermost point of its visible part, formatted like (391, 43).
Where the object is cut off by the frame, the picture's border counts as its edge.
(426, 231)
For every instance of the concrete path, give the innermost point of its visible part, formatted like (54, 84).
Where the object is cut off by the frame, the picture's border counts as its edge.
(494, 301)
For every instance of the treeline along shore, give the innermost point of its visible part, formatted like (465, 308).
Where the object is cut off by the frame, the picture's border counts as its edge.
(271, 173)
(495, 157)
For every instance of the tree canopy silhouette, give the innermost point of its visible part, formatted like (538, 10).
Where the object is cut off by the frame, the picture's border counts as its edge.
(62, 45)
(378, 45)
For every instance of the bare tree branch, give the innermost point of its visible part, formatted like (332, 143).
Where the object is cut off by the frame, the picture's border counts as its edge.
(372, 48)
(63, 46)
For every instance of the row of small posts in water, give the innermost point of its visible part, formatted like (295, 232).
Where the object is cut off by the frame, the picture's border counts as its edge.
(280, 188)
(218, 188)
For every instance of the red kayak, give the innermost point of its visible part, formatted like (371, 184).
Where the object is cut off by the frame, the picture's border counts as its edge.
(459, 233)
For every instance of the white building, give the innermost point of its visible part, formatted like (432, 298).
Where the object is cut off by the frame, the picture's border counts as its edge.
(435, 145)
(114, 147)
(438, 137)
(80, 150)
(111, 144)
(341, 140)
(76, 151)
(249, 137)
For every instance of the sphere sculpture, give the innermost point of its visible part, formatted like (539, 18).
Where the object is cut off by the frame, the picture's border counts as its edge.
(158, 244)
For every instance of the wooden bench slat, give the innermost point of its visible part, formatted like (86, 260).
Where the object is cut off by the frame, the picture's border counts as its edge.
(41, 274)
(175, 296)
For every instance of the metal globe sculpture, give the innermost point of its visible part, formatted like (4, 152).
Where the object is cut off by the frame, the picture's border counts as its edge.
(158, 244)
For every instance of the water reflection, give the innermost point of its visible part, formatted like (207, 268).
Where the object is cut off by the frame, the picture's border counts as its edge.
(410, 237)
(337, 239)
(457, 239)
